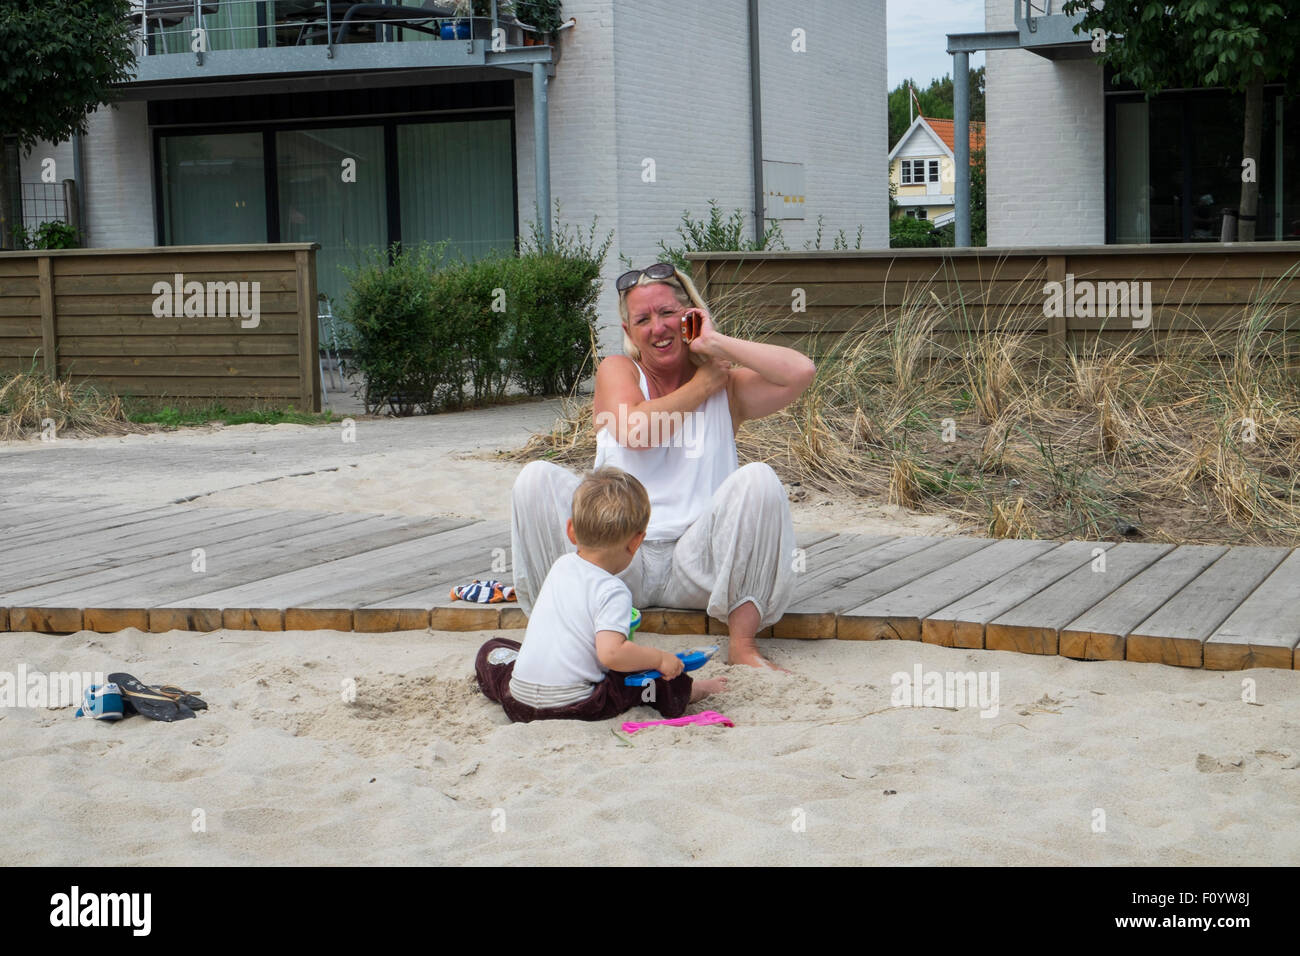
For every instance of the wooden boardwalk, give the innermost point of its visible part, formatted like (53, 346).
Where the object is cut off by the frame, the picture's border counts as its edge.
(106, 568)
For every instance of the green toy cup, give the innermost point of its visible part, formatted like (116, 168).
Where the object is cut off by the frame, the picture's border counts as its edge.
(636, 622)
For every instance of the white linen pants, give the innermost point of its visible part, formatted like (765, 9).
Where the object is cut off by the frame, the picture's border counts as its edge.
(740, 548)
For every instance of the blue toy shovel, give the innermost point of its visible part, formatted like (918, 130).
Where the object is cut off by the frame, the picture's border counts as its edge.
(692, 660)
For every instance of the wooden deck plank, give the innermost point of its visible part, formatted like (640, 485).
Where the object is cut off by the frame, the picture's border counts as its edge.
(1033, 626)
(62, 560)
(24, 517)
(208, 605)
(1176, 632)
(300, 588)
(823, 593)
(306, 544)
(961, 623)
(1101, 632)
(127, 592)
(40, 546)
(74, 525)
(1265, 629)
(16, 516)
(154, 557)
(453, 557)
(851, 627)
(431, 604)
(898, 614)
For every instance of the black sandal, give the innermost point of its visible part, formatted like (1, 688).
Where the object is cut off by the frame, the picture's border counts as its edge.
(139, 698)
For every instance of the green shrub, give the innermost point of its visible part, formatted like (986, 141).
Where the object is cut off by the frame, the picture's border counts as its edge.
(473, 299)
(407, 359)
(908, 233)
(425, 333)
(717, 235)
(555, 322)
(52, 234)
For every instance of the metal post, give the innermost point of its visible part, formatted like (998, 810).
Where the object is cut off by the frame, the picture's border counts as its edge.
(542, 151)
(961, 147)
(756, 124)
(329, 30)
(203, 33)
(72, 211)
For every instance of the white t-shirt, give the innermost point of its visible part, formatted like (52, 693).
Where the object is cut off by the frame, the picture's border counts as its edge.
(682, 474)
(577, 600)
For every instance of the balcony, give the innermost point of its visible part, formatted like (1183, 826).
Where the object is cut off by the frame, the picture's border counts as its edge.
(219, 47)
(1045, 30)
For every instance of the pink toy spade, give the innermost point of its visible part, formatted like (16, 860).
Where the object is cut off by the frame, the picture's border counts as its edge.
(708, 717)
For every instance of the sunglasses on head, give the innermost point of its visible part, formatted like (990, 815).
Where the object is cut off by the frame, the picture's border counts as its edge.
(660, 270)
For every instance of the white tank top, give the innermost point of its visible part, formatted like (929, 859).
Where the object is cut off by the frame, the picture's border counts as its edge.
(681, 475)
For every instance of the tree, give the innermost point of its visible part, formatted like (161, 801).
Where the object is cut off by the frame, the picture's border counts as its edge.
(61, 61)
(935, 101)
(1238, 45)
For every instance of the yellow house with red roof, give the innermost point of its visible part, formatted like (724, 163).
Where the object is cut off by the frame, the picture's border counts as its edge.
(921, 168)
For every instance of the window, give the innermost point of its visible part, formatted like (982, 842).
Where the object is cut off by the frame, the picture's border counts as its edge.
(916, 172)
(916, 214)
(213, 189)
(317, 204)
(455, 180)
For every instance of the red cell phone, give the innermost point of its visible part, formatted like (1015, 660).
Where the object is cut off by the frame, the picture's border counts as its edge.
(692, 322)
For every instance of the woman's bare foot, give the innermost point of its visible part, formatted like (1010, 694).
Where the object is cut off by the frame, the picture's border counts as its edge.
(752, 658)
(702, 688)
(741, 651)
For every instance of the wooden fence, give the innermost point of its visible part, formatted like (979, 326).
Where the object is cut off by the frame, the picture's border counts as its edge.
(1191, 287)
(234, 324)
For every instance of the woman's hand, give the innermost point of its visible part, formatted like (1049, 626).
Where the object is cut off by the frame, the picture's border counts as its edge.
(713, 375)
(706, 343)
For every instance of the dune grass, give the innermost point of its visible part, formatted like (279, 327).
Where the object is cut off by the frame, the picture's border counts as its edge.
(1188, 437)
(32, 402)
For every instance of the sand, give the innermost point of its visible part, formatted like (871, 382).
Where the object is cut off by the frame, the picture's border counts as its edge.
(1095, 763)
(820, 768)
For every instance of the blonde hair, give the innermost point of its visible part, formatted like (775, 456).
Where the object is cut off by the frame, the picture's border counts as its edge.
(609, 507)
(683, 290)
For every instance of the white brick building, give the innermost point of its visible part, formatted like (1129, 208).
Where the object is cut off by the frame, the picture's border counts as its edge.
(249, 139)
(1075, 157)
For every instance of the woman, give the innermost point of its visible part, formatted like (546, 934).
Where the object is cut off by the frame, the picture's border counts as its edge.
(720, 537)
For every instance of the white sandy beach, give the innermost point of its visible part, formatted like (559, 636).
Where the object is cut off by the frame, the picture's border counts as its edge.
(420, 768)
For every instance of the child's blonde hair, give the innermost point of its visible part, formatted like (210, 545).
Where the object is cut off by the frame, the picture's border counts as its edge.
(683, 290)
(609, 507)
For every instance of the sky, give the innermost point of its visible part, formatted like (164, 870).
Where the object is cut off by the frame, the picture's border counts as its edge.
(917, 36)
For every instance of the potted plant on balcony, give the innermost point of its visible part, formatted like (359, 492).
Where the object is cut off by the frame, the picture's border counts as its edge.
(543, 15)
(474, 19)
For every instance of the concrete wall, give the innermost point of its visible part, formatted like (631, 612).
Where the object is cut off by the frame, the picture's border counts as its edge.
(116, 174)
(826, 108)
(1045, 145)
(622, 96)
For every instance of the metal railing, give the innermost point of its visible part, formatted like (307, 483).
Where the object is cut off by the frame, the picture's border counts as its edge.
(42, 202)
(168, 27)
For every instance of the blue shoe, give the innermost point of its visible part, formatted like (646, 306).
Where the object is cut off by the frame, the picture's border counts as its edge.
(102, 702)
